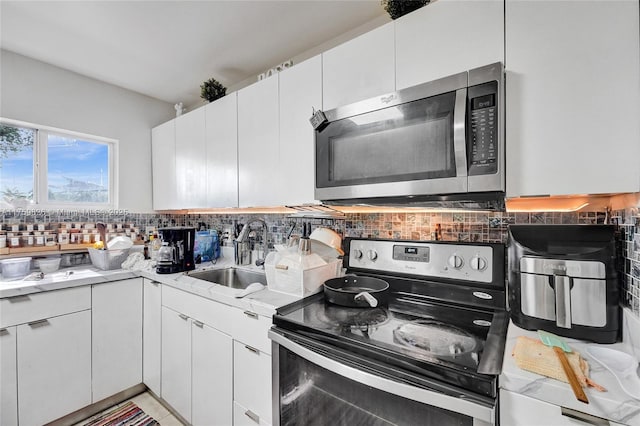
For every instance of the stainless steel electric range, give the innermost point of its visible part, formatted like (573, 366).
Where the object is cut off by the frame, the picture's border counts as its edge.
(432, 356)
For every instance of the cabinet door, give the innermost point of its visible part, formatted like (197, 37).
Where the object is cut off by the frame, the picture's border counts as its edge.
(8, 377)
(447, 37)
(300, 93)
(258, 138)
(163, 161)
(521, 410)
(572, 97)
(151, 348)
(252, 380)
(359, 69)
(116, 337)
(54, 367)
(212, 386)
(245, 417)
(221, 119)
(176, 361)
(191, 171)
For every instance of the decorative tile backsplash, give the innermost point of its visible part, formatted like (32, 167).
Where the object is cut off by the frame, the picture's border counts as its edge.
(455, 226)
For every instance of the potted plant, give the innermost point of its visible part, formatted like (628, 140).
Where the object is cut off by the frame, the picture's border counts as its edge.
(212, 89)
(398, 8)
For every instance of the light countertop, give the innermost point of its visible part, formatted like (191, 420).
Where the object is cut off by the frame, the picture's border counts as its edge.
(614, 404)
(263, 302)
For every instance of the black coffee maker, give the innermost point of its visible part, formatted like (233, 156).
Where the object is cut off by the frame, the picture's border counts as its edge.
(176, 252)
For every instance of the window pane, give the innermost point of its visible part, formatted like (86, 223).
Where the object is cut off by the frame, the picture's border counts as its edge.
(77, 170)
(16, 166)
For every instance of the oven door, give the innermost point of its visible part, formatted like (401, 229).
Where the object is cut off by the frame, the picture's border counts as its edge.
(411, 142)
(317, 384)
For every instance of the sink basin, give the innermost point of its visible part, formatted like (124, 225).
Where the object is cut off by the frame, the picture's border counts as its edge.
(231, 277)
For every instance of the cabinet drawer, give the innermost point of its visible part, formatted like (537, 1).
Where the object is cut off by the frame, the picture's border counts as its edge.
(251, 329)
(214, 314)
(252, 380)
(242, 416)
(33, 307)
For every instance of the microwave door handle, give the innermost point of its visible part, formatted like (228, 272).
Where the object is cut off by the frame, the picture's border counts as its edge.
(459, 132)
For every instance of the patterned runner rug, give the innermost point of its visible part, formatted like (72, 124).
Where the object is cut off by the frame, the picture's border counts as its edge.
(129, 414)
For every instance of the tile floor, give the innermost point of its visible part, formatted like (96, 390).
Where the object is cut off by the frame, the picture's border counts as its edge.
(149, 405)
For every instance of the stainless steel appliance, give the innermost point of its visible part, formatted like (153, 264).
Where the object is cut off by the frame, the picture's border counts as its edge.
(562, 278)
(432, 355)
(435, 142)
(176, 253)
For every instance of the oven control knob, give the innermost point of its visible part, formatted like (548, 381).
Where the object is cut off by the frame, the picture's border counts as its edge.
(357, 253)
(456, 261)
(372, 255)
(478, 263)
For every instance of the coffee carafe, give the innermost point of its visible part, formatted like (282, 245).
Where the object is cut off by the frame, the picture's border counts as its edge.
(176, 253)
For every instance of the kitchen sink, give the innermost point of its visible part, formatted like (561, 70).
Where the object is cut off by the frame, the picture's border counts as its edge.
(231, 277)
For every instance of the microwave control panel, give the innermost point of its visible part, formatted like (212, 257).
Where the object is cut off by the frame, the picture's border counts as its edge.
(483, 129)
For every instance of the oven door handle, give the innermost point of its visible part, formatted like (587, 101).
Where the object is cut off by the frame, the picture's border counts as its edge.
(425, 396)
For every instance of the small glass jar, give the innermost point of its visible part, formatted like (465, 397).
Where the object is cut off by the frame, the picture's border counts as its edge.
(86, 237)
(38, 239)
(27, 239)
(49, 239)
(63, 238)
(3, 240)
(14, 240)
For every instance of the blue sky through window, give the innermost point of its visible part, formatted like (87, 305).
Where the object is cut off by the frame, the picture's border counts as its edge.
(78, 170)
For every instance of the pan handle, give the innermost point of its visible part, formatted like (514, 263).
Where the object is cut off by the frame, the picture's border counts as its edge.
(372, 301)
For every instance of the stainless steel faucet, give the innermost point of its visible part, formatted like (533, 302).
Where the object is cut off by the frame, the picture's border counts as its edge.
(241, 244)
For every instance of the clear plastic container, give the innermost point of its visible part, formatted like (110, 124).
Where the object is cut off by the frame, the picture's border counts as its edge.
(16, 268)
(108, 259)
(48, 264)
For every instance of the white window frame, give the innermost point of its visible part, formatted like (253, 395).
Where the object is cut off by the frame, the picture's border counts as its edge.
(40, 172)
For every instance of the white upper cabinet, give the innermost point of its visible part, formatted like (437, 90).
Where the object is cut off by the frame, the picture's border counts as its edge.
(360, 68)
(258, 140)
(573, 97)
(221, 117)
(300, 92)
(191, 159)
(447, 37)
(163, 160)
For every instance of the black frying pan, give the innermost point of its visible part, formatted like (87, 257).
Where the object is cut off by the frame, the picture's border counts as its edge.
(355, 291)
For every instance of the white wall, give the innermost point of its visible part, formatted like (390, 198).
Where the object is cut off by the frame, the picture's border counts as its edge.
(40, 93)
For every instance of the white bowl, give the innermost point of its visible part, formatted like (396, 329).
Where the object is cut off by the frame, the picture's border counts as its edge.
(16, 268)
(48, 264)
(330, 242)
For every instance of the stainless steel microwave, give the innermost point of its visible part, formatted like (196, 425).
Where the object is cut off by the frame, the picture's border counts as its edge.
(436, 142)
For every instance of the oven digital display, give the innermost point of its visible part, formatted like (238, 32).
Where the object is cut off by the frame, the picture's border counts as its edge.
(411, 253)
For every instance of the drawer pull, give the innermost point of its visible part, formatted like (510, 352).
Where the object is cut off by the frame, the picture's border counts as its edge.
(251, 314)
(17, 299)
(584, 417)
(252, 349)
(198, 323)
(183, 316)
(155, 283)
(38, 323)
(3, 331)
(253, 416)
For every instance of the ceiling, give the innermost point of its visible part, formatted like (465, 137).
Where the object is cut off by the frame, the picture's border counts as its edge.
(166, 49)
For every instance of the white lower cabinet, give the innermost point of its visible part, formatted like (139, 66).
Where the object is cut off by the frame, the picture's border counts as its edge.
(245, 417)
(197, 361)
(521, 410)
(116, 337)
(8, 377)
(176, 361)
(212, 378)
(54, 367)
(251, 384)
(151, 334)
